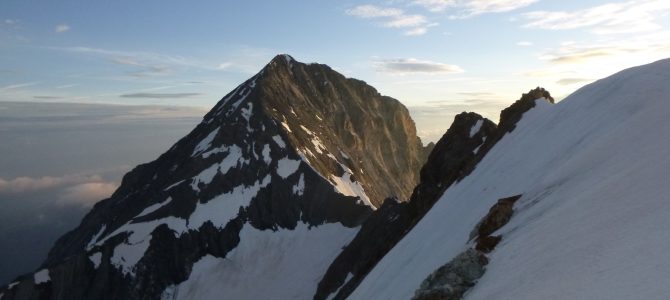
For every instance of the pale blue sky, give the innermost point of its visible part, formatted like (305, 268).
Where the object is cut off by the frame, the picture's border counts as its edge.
(437, 57)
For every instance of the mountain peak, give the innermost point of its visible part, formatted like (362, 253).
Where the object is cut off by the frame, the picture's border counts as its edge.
(283, 57)
(281, 62)
(296, 155)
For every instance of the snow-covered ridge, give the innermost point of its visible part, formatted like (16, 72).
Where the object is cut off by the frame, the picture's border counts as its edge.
(592, 170)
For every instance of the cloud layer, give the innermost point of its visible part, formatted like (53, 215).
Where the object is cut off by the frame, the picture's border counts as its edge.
(411, 65)
(30, 184)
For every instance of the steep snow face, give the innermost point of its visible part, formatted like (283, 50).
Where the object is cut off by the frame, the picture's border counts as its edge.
(593, 219)
(283, 264)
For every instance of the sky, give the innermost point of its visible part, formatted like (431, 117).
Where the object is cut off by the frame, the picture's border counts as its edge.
(438, 57)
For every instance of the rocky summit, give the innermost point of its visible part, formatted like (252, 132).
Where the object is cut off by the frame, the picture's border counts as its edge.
(256, 202)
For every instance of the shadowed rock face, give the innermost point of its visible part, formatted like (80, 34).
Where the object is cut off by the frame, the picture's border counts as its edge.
(295, 144)
(452, 158)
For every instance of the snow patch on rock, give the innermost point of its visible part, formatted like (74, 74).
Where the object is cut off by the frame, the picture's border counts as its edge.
(279, 141)
(154, 207)
(299, 188)
(42, 276)
(222, 208)
(205, 143)
(233, 159)
(475, 128)
(345, 186)
(287, 166)
(266, 154)
(95, 258)
(95, 238)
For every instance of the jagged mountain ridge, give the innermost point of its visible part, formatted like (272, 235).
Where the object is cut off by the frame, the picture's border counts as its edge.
(590, 221)
(297, 151)
(452, 158)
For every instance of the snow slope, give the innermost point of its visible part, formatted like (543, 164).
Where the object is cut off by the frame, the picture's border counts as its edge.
(592, 222)
(283, 264)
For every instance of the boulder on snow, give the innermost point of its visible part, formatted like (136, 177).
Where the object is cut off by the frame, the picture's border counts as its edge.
(498, 216)
(453, 279)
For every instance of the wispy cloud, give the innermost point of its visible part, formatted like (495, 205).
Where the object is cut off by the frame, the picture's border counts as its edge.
(569, 81)
(435, 5)
(469, 8)
(412, 24)
(146, 63)
(48, 97)
(579, 53)
(17, 86)
(411, 65)
(477, 94)
(62, 28)
(524, 43)
(160, 95)
(371, 11)
(143, 69)
(405, 21)
(610, 18)
(225, 65)
(416, 31)
(11, 21)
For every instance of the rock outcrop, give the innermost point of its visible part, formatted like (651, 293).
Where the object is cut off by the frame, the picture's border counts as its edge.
(452, 280)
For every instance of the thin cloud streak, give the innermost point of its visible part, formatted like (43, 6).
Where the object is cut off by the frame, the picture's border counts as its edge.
(411, 65)
(62, 28)
(470, 8)
(160, 95)
(17, 86)
(149, 63)
(569, 81)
